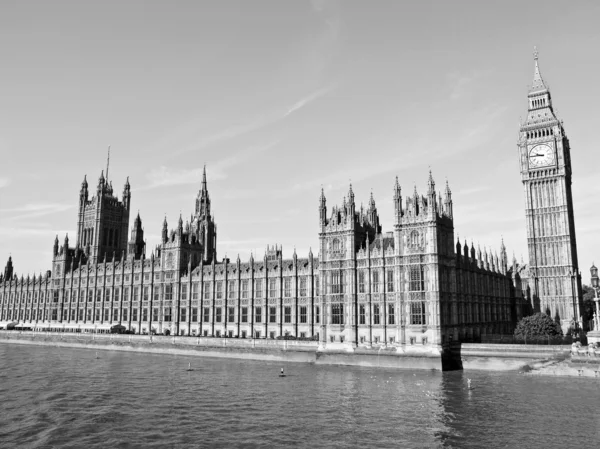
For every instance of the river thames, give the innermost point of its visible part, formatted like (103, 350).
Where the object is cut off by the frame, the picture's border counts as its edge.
(74, 398)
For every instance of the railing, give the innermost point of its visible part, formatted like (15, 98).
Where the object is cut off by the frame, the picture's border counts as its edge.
(512, 340)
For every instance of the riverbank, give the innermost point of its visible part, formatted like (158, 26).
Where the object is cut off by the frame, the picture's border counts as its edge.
(250, 349)
(533, 359)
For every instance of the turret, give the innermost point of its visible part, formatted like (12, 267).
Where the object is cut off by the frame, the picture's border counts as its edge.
(448, 201)
(397, 202)
(322, 209)
(127, 194)
(55, 251)
(8, 269)
(165, 231)
(137, 244)
(83, 193)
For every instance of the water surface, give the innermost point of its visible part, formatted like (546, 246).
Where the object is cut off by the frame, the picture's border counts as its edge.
(68, 398)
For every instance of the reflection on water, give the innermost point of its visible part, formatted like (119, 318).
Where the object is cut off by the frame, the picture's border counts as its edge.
(61, 397)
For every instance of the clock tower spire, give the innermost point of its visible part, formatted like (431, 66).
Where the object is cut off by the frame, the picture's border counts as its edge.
(545, 162)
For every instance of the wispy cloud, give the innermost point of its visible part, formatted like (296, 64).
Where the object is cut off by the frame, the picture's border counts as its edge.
(166, 176)
(34, 210)
(308, 99)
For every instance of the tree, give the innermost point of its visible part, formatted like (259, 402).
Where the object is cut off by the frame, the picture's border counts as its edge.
(588, 302)
(538, 325)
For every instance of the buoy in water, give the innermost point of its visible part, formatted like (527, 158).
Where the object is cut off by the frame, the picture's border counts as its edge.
(190, 367)
(281, 374)
(469, 384)
(97, 355)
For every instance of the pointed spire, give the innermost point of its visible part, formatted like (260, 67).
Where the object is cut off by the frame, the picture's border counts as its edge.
(538, 84)
(107, 162)
(448, 191)
(431, 183)
(204, 186)
(371, 201)
(84, 184)
(350, 194)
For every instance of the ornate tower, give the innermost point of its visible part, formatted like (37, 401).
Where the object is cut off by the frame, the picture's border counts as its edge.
(103, 221)
(203, 225)
(545, 162)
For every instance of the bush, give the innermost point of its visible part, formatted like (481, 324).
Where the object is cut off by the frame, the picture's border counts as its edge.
(538, 325)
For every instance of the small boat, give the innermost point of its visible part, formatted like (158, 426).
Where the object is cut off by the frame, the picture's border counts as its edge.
(190, 367)
(281, 374)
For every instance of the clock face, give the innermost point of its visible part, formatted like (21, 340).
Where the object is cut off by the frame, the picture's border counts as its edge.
(541, 156)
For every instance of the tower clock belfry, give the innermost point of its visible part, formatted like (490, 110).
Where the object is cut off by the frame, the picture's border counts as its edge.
(545, 162)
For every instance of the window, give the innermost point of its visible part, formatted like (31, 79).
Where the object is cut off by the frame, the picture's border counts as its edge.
(134, 315)
(244, 334)
(272, 288)
(218, 334)
(256, 334)
(168, 292)
(361, 314)
(88, 314)
(231, 314)
(287, 287)
(219, 286)
(125, 314)
(375, 281)
(206, 314)
(126, 294)
(195, 290)
(259, 288)
(244, 314)
(317, 314)
(231, 290)
(258, 315)
(194, 314)
(337, 314)
(80, 314)
(54, 315)
(146, 293)
(66, 297)
(106, 314)
(106, 295)
(245, 288)
(390, 281)
(416, 280)
(337, 282)
(417, 312)
(207, 294)
(218, 314)
(184, 292)
(303, 286)
(167, 314)
(73, 311)
(391, 318)
(361, 281)
(56, 293)
(272, 335)
(287, 315)
(136, 293)
(155, 314)
(375, 313)
(272, 314)
(144, 314)
(157, 292)
(90, 295)
(303, 310)
(116, 294)
(183, 314)
(335, 245)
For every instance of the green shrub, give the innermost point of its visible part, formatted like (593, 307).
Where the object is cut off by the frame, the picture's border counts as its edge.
(538, 325)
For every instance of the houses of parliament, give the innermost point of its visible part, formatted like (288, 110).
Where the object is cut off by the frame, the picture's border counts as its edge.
(414, 284)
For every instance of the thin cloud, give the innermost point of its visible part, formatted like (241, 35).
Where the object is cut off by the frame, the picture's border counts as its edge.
(35, 210)
(308, 99)
(165, 176)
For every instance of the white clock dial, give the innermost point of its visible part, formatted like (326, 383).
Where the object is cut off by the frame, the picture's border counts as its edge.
(541, 156)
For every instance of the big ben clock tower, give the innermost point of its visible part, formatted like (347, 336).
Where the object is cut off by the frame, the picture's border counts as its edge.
(545, 163)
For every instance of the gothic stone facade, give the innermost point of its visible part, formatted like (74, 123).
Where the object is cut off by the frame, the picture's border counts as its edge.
(410, 286)
(545, 162)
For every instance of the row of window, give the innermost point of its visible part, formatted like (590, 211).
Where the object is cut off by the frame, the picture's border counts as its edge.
(167, 314)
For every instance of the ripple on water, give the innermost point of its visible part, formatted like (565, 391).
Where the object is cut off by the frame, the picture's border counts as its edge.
(59, 397)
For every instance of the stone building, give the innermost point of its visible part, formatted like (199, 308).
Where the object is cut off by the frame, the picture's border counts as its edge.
(414, 285)
(544, 152)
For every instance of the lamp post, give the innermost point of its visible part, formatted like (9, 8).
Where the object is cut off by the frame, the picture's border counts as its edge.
(595, 281)
(575, 321)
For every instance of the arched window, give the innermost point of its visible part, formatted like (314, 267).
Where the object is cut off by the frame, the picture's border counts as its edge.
(335, 245)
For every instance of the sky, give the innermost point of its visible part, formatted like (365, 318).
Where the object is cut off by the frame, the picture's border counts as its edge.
(279, 99)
